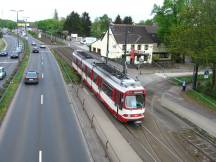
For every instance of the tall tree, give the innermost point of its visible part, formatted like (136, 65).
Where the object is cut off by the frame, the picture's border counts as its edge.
(100, 26)
(86, 24)
(56, 15)
(128, 20)
(73, 23)
(195, 35)
(118, 20)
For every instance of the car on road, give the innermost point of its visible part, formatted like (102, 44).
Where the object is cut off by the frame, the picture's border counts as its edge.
(34, 44)
(2, 73)
(35, 50)
(42, 46)
(14, 54)
(31, 77)
(3, 53)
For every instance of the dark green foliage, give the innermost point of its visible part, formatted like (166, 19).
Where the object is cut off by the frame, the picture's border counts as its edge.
(118, 20)
(7, 24)
(128, 20)
(73, 23)
(86, 24)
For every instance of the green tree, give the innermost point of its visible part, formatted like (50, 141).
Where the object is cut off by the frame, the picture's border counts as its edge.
(100, 26)
(118, 20)
(195, 35)
(73, 23)
(127, 20)
(51, 26)
(86, 24)
(7, 24)
(55, 15)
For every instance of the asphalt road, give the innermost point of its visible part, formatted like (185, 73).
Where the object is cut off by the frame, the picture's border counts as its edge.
(40, 124)
(6, 62)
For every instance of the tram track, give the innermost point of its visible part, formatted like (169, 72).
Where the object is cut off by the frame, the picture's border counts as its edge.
(149, 140)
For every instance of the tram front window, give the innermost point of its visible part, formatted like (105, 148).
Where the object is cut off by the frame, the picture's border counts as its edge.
(136, 101)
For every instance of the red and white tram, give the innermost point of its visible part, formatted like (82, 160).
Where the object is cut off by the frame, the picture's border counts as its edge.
(123, 96)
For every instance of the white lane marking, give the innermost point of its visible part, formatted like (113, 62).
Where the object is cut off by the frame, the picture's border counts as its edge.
(42, 62)
(42, 75)
(40, 156)
(42, 99)
(8, 62)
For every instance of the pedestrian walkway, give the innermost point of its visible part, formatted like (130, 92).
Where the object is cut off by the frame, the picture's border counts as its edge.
(203, 118)
(115, 144)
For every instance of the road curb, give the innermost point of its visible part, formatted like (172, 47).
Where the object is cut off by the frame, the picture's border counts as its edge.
(193, 117)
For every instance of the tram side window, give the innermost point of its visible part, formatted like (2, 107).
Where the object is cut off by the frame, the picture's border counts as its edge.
(107, 89)
(88, 72)
(95, 77)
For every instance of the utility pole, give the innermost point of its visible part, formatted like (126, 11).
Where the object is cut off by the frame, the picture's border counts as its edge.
(125, 51)
(17, 14)
(107, 52)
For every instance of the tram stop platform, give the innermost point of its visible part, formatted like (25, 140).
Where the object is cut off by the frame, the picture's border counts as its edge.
(203, 118)
(116, 147)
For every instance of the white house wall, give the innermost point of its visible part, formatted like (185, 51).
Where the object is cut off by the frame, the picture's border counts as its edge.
(116, 51)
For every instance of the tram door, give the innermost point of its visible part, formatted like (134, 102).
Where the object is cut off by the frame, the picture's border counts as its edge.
(117, 99)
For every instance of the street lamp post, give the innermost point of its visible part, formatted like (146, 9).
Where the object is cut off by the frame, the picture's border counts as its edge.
(17, 14)
(107, 43)
(125, 50)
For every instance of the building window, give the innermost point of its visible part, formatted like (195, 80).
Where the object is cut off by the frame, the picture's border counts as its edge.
(99, 50)
(146, 47)
(124, 47)
(94, 49)
(139, 47)
(164, 55)
(132, 46)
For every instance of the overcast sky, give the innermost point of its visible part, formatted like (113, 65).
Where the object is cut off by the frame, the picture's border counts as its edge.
(43, 9)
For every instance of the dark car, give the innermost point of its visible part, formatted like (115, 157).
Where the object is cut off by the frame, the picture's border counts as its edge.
(3, 53)
(35, 50)
(31, 77)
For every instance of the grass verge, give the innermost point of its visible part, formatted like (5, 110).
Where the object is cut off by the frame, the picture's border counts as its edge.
(2, 44)
(202, 99)
(69, 74)
(10, 90)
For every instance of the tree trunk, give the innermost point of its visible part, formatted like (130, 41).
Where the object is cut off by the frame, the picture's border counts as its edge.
(195, 74)
(214, 76)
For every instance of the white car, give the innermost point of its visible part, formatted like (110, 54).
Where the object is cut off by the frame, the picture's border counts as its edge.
(42, 46)
(2, 73)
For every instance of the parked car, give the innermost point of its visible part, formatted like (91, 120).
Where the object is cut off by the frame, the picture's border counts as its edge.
(3, 53)
(31, 77)
(42, 46)
(35, 50)
(14, 54)
(2, 73)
